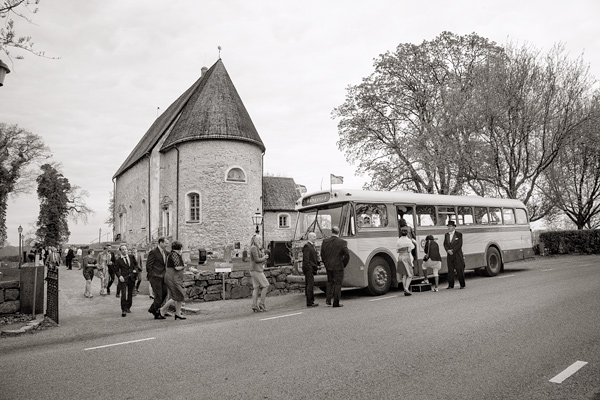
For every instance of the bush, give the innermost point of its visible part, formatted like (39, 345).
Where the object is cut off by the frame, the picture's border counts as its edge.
(570, 242)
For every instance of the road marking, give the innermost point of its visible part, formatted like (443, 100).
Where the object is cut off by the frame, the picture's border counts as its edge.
(383, 298)
(281, 316)
(576, 366)
(118, 344)
(505, 276)
(549, 269)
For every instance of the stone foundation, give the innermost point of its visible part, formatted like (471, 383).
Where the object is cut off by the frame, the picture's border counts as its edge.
(208, 285)
(9, 297)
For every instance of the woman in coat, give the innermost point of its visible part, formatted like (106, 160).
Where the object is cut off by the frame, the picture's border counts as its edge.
(174, 281)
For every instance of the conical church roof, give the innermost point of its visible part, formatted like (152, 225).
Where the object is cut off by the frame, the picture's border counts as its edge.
(210, 109)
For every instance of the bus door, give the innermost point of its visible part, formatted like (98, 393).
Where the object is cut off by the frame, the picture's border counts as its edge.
(406, 221)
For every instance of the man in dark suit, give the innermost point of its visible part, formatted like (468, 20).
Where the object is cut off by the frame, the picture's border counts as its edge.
(455, 260)
(126, 271)
(310, 266)
(69, 258)
(156, 267)
(111, 270)
(335, 256)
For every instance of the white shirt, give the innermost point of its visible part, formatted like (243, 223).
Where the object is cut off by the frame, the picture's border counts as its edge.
(404, 241)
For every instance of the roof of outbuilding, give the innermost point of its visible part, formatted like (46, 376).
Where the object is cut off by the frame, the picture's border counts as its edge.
(279, 193)
(210, 109)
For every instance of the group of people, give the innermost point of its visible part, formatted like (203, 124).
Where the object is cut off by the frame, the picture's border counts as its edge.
(335, 257)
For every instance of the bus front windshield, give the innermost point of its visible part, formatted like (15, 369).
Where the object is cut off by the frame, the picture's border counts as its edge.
(320, 221)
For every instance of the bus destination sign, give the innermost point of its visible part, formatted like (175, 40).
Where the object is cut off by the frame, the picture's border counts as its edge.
(316, 199)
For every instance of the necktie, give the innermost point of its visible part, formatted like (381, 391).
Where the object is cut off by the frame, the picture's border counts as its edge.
(126, 260)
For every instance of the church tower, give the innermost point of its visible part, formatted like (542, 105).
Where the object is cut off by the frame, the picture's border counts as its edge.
(196, 175)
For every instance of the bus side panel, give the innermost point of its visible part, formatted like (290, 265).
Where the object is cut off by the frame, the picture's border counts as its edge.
(361, 251)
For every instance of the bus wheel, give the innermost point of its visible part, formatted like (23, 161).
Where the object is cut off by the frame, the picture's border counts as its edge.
(494, 262)
(380, 277)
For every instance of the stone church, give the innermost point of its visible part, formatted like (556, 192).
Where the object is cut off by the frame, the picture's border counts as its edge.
(196, 176)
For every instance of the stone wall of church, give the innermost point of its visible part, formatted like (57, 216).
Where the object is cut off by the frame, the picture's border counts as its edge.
(226, 207)
(131, 196)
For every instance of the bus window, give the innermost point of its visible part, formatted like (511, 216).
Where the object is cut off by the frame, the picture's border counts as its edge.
(465, 216)
(481, 216)
(521, 215)
(508, 214)
(445, 214)
(495, 216)
(371, 215)
(426, 216)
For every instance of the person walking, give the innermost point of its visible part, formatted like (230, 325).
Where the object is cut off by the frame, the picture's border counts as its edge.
(259, 281)
(126, 272)
(310, 266)
(335, 256)
(103, 260)
(111, 270)
(69, 258)
(404, 247)
(89, 264)
(453, 244)
(432, 259)
(174, 281)
(156, 268)
(79, 257)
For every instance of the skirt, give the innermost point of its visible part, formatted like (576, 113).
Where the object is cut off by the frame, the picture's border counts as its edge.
(405, 265)
(174, 282)
(88, 273)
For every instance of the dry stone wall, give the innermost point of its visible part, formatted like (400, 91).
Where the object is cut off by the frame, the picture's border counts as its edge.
(208, 285)
(9, 297)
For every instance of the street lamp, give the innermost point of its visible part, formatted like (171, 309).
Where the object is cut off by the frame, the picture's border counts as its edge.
(3, 71)
(257, 220)
(20, 230)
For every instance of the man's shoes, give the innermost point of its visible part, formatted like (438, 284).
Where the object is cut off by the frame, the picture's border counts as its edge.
(128, 311)
(450, 287)
(123, 314)
(328, 303)
(151, 311)
(312, 305)
(338, 305)
(462, 287)
(158, 316)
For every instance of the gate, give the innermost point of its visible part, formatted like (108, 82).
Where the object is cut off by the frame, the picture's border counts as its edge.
(52, 293)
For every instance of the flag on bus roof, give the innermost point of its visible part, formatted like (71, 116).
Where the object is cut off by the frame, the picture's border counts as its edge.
(336, 180)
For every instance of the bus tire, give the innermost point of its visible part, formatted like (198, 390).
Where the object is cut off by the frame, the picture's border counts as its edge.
(380, 277)
(493, 262)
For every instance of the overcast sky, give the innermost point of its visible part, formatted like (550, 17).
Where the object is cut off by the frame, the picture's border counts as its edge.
(289, 60)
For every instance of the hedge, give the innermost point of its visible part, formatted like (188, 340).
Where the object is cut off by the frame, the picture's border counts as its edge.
(569, 242)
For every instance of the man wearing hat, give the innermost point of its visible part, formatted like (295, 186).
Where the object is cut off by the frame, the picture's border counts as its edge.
(455, 260)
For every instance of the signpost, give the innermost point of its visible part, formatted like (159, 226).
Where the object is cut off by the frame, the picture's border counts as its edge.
(223, 271)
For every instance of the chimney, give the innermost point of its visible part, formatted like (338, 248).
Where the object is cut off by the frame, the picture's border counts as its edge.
(203, 71)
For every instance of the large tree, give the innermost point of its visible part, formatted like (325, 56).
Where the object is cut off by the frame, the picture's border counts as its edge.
(18, 149)
(528, 106)
(405, 124)
(58, 201)
(573, 179)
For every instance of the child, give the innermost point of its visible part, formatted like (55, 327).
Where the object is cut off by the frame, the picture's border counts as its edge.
(432, 260)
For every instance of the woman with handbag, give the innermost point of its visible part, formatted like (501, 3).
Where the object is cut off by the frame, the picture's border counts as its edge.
(432, 259)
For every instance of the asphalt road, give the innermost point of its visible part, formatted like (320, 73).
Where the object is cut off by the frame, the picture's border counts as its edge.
(500, 338)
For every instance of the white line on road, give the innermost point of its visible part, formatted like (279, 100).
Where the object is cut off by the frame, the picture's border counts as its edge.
(505, 276)
(383, 298)
(281, 316)
(118, 344)
(576, 366)
(549, 269)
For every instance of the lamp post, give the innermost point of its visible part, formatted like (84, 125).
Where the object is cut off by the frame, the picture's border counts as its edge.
(20, 230)
(3, 71)
(257, 219)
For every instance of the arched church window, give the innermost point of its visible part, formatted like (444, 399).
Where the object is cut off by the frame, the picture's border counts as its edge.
(236, 174)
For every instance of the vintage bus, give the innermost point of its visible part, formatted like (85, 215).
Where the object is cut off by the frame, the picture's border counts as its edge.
(495, 231)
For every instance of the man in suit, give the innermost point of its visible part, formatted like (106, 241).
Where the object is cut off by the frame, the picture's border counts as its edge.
(156, 267)
(310, 265)
(126, 271)
(69, 258)
(335, 256)
(455, 260)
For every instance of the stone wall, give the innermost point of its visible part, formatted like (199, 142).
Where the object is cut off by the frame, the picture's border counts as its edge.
(9, 297)
(208, 285)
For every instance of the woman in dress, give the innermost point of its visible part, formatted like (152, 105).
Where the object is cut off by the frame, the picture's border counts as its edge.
(174, 281)
(89, 264)
(103, 260)
(259, 280)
